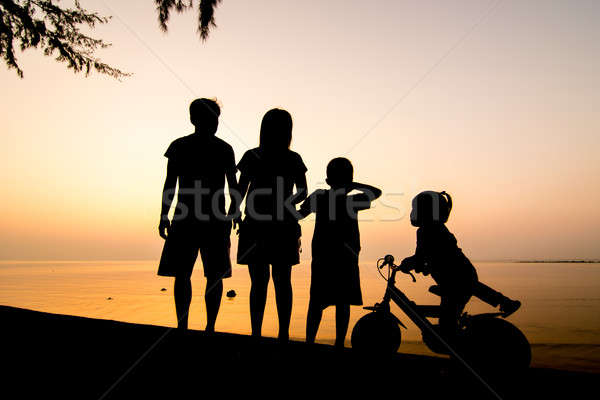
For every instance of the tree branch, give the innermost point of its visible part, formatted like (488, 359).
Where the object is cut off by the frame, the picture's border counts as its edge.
(56, 30)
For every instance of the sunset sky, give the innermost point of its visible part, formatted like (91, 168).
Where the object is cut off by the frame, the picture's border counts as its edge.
(495, 102)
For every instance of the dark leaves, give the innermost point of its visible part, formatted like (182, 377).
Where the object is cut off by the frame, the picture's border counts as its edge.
(43, 24)
(206, 17)
(206, 13)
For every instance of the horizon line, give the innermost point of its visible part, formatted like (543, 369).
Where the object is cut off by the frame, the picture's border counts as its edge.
(115, 260)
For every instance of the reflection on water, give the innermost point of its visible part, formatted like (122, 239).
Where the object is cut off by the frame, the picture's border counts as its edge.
(560, 313)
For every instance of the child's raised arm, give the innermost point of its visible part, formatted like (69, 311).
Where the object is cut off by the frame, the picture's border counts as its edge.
(370, 191)
(363, 200)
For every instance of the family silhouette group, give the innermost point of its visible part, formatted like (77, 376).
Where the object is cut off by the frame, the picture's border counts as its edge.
(272, 182)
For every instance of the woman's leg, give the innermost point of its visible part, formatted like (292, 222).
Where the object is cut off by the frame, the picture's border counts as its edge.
(313, 320)
(282, 280)
(259, 278)
(342, 317)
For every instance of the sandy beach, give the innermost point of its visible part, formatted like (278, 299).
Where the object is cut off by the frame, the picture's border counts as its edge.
(61, 356)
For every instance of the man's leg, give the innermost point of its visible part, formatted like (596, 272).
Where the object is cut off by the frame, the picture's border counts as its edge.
(183, 298)
(259, 278)
(212, 297)
(217, 266)
(282, 280)
(313, 320)
(342, 317)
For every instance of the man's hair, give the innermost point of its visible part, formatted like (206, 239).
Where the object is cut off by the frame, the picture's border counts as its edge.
(204, 107)
(276, 130)
(340, 171)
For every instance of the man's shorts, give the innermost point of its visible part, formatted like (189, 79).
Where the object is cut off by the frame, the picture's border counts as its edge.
(185, 240)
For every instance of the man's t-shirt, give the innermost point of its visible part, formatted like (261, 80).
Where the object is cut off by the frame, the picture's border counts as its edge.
(201, 163)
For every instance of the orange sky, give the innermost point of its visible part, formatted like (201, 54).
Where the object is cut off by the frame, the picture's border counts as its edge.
(496, 105)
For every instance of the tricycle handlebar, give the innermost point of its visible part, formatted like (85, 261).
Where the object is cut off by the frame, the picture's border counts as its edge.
(389, 261)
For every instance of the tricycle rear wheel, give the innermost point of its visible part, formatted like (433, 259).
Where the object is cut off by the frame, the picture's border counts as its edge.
(496, 346)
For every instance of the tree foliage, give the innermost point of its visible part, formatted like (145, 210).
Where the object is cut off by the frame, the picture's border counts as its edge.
(206, 13)
(55, 30)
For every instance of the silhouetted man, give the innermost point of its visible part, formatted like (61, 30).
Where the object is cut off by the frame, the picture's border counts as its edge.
(200, 162)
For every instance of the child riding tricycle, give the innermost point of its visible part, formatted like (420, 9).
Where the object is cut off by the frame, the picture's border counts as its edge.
(484, 341)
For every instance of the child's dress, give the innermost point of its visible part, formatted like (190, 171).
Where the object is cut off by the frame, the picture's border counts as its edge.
(335, 277)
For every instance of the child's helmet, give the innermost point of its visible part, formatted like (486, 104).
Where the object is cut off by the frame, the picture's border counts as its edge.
(430, 207)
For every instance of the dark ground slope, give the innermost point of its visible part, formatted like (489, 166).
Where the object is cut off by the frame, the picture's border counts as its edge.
(56, 356)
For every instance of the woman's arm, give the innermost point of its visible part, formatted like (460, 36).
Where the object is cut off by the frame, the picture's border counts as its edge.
(301, 190)
(308, 206)
(242, 187)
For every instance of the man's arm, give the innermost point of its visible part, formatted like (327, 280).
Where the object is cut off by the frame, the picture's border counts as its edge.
(167, 199)
(234, 195)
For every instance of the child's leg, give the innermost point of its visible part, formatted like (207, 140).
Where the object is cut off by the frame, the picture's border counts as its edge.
(342, 317)
(451, 307)
(313, 320)
(495, 299)
(487, 294)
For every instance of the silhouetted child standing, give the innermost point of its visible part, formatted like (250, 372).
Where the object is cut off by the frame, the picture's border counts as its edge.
(438, 254)
(335, 277)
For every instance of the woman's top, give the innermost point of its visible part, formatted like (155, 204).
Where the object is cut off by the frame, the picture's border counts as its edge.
(272, 178)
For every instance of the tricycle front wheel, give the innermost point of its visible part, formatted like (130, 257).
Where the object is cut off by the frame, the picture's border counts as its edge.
(376, 334)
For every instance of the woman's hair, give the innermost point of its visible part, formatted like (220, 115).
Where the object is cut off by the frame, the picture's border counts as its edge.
(276, 130)
(430, 207)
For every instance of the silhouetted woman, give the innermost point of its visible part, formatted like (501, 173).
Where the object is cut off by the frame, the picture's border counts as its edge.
(270, 234)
